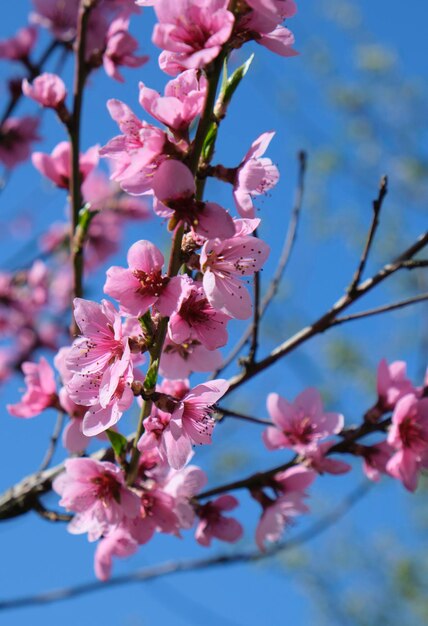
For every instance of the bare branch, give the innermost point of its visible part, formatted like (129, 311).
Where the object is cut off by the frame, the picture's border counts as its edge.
(169, 568)
(248, 418)
(423, 297)
(377, 206)
(53, 442)
(326, 321)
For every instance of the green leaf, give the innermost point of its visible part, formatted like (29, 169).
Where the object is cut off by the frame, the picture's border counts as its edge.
(152, 375)
(231, 84)
(119, 443)
(146, 322)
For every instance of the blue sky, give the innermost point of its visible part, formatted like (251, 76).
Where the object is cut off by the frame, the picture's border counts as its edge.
(37, 556)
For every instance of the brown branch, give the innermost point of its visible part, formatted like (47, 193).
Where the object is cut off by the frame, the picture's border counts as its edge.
(377, 207)
(51, 516)
(256, 318)
(262, 479)
(423, 297)
(327, 320)
(169, 568)
(248, 418)
(80, 75)
(53, 442)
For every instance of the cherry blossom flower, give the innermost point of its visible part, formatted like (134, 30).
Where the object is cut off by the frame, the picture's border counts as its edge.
(174, 187)
(223, 264)
(20, 45)
(101, 345)
(301, 424)
(316, 457)
(276, 516)
(375, 459)
(57, 165)
(191, 423)
(59, 17)
(142, 284)
(409, 436)
(196, 318)
(136, 153)
(213, 524)
(47, 89)
(120, 49)
(191, 35)
(277, 10)
(392, 383)
(118, 543)
(182, 102)
(96, 492)
(181, 359)
(255, 176)
(16, 137)
(41, 390)
(183, 485)
(278, 513)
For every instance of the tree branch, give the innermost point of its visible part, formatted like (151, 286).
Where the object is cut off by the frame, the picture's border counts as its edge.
(423, 297)
(169, 568)
(377, 206)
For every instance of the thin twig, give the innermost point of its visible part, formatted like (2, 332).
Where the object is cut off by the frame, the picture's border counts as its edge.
(423, 297)
(377, 207)
(326, 321)
(169, 568)
(248, 418)
(289, 242)
(256, 318)
(33, 71)
(76, 200)
(53, 442)
(51, 516)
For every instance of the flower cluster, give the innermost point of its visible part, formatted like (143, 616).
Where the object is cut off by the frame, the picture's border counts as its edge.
(168, 318)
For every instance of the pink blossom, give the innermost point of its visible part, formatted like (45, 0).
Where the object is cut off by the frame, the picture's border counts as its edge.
(101, 345)
(196, 318)
(183, 100)
(58, 16)
(191, 422)
(20, 45)
(96, 492)
(392, 383)
(375, 459)
(112, 399)
(41, 390)
(214, 524)
(192, 34)
(316, 456)
(301, 424)
(277, 10)
(174, 186)
(57, 165)
(183, 485)
(291, 484)
(223, 264)
(120, 49)
(142, 284)
(118, 543)
(409, 436)
(255, 176)
(137, 152)
(16, 137)
(181, 359)
(47, 89)
(276, 516)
